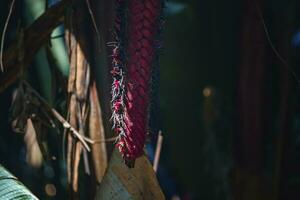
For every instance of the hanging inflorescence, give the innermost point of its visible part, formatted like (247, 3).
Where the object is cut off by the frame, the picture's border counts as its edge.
(137, 26)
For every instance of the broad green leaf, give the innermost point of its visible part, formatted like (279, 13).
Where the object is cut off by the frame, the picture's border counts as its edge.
(12, 188)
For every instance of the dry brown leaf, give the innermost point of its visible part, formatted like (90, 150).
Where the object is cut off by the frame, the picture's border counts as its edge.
(72, 47)
(82, 74)
(78, 149)
(96, 132)
(70, 147)
(121, 182)
(34, 155)
(69, 157)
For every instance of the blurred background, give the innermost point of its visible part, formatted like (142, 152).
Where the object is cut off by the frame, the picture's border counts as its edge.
(228, 89)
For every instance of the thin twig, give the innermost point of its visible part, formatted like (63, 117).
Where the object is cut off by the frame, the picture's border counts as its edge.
(60, 118)
(67, 125)
(157, 151)
(94, 24)
(63, 144)
(4, 32)
(91, 141)
(284, 61)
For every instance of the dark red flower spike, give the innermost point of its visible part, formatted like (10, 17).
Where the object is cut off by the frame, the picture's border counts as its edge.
(135, 51)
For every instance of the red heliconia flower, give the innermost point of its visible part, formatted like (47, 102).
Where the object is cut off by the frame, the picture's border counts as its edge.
(134, 54)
